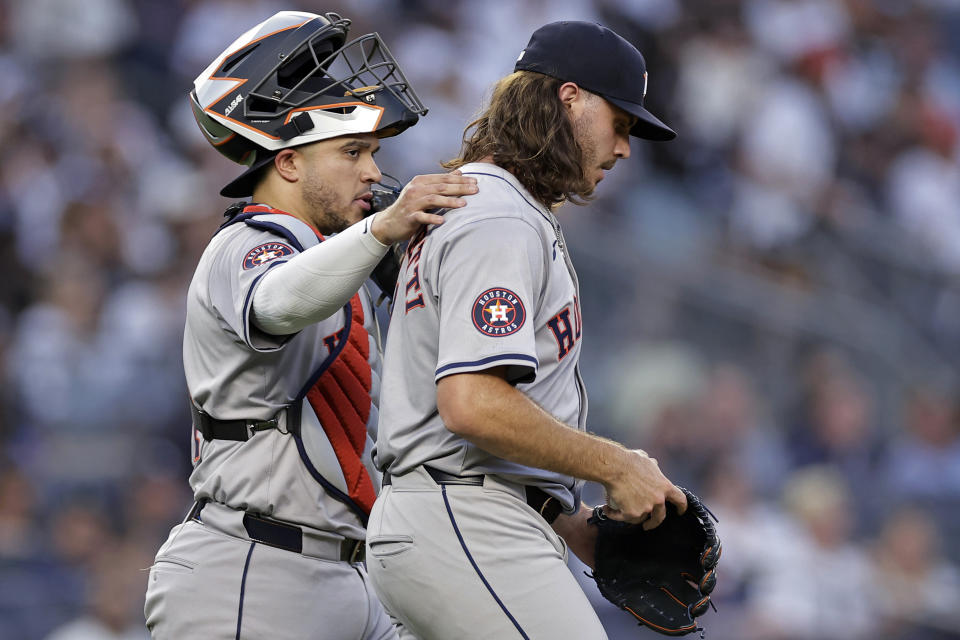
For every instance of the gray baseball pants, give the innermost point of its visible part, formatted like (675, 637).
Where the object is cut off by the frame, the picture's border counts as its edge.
(471, 562)
(211, 581)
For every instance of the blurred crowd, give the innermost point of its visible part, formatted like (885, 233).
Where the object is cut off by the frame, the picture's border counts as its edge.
(771, 302)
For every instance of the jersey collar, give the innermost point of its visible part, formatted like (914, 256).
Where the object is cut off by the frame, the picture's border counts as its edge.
(497, 170)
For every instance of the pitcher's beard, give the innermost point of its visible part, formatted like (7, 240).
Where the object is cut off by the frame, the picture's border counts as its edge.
(588, 154)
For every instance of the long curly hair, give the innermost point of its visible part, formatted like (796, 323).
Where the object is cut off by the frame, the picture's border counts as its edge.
(526, 130)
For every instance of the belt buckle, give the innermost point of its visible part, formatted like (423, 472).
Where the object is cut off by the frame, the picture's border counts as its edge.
(195, 509)
(358, 552)
(544, 512)
(549, 508)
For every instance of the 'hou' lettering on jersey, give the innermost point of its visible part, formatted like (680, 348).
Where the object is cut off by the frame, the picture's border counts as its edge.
(566, 334)
(414, 299)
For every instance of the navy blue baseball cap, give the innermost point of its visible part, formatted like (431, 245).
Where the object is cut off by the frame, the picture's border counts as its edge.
(601, 62)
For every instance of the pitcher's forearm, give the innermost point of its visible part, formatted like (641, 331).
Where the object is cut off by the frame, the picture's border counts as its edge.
(486, 410)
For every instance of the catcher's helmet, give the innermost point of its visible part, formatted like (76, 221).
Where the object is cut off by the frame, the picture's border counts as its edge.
(294, 79)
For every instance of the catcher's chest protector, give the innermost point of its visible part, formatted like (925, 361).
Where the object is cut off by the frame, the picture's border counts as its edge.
(333, 408)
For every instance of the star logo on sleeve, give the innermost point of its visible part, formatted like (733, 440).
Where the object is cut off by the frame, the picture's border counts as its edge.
(259, 256)
(266, 256)
(498, 312)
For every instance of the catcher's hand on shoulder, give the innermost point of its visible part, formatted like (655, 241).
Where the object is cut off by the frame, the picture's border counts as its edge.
(418, 202)
(661, 576)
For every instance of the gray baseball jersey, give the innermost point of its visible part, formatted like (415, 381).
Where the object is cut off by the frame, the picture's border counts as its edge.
(323, 478)
(492, 286)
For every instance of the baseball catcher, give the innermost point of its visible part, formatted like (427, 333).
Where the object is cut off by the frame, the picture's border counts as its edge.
(281, 347)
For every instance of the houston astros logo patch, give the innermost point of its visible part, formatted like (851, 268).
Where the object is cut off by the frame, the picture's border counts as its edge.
(265, 253)
(498, 312)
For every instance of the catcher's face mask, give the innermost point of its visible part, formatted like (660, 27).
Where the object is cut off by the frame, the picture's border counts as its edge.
(295, 79)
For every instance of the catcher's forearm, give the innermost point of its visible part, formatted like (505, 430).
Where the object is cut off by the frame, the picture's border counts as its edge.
(486, 410)
(315, 284)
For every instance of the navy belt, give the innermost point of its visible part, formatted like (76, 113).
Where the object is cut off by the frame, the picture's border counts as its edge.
(283, 535)
(538, 499)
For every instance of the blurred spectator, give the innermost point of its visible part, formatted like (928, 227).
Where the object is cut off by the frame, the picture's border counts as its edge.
(720, 78)
(818, 584)
(923, 462)
(647, 381)
(792, 29)
(442, 87)
(836, 427)
(58, 375)
(52, 29)
(114, 608)
(81, 530)
(755, 535)
(787, 157)
(18, 513)
(209, 26)
(924, 459)
(721, 420)
(924, 188)
(731, 426)
(88, 359)
(918, 587)
(152, 502)
(35, 196)
(45, 587)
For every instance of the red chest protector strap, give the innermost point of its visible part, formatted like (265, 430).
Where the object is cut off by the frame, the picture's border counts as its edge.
(341, 399)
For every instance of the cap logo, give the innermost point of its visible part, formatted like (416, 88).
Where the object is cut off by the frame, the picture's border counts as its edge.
(520, 57)
(644, 84)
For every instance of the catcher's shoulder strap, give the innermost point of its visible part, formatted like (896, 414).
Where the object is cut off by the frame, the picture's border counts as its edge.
(260, 216)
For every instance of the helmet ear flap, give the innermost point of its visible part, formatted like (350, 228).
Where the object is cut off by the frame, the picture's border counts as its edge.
(226, 141)
(215, 132)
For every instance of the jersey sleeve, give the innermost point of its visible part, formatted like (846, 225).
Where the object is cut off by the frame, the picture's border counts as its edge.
(234, 276)
(488, 279)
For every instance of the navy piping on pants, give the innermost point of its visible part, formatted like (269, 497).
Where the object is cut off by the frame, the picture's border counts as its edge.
(463, 544)
(243, 586)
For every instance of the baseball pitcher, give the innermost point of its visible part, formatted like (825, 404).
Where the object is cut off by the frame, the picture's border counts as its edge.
(483, 434)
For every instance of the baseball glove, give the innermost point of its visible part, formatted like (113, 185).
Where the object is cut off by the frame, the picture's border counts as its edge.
(664, 576)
